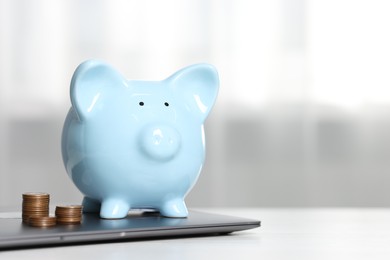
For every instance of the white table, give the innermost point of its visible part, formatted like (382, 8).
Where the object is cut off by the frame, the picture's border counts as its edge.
(320, 233)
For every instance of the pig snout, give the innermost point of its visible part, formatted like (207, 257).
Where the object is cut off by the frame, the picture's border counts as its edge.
(160, 143)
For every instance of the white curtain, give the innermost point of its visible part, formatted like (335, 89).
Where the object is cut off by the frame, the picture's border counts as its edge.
(303, 114)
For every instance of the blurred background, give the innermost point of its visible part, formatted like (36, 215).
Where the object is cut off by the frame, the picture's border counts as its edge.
(303, 114)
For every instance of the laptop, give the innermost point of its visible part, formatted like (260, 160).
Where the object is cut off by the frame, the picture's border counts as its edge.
(138, 225)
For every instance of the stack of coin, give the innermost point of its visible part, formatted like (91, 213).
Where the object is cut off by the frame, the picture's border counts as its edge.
(42, 221)
(35, 204)
(71, 214)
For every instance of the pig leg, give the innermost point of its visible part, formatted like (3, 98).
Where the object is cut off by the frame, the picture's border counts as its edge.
(175, 208)
(114, 208)
(90, 205)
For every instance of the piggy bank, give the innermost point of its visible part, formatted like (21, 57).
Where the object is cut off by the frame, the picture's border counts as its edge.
(136, 144)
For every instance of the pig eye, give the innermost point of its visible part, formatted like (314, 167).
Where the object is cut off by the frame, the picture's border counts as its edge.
(141, 103)
(166, 104)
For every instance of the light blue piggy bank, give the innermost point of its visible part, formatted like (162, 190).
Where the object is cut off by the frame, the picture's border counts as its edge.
(136, 144)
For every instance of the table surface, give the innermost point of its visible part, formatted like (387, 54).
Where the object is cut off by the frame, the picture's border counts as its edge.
(286, 233)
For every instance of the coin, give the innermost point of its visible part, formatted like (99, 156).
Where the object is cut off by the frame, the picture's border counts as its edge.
(35, 211)
(35, 194)
(46, 221)
(35, 204)
(70, 208)
(69, 214)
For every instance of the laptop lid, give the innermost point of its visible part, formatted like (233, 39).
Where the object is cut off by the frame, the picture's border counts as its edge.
(138, 225)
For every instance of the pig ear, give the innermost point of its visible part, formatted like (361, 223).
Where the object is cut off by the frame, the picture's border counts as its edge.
(198, 86)
(92, 84)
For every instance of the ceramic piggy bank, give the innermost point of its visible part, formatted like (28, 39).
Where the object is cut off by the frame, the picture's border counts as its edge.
(136, 144)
